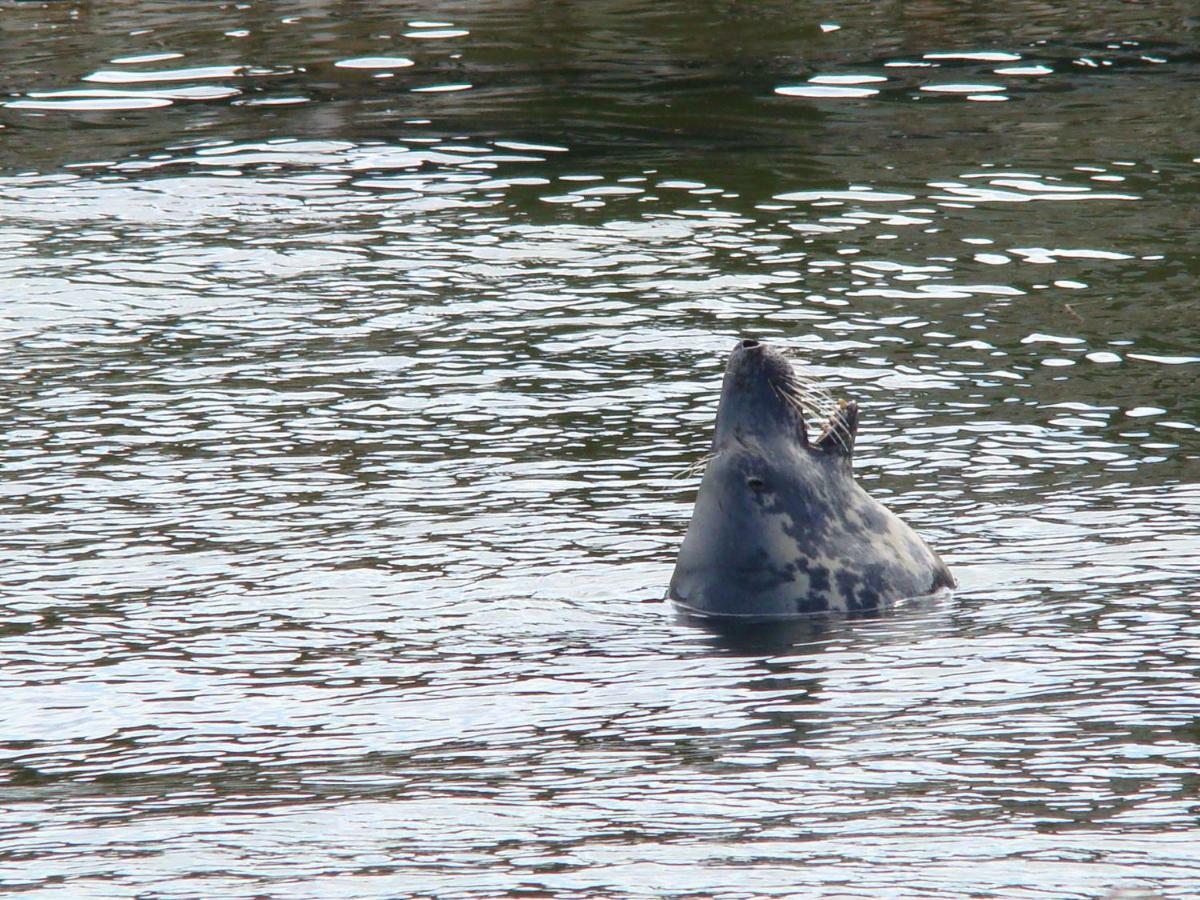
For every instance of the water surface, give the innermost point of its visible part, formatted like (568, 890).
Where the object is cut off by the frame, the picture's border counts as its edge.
(355, 357)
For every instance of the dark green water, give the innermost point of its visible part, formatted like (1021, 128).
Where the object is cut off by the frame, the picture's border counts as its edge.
(353, 356)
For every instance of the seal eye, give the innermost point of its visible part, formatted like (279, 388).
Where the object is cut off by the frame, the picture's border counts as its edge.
(756, 484)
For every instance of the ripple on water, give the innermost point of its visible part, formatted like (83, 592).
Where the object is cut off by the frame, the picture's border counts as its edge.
(335, 551)
(375, 62)
(826, 91)
(193, 73)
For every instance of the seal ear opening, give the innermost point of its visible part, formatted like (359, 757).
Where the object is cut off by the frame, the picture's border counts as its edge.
(838, 437)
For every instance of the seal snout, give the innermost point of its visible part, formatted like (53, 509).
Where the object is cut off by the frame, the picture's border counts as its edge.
(757, 397)
(758, 366)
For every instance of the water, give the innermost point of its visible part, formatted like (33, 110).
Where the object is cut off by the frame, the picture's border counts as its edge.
(346, 404)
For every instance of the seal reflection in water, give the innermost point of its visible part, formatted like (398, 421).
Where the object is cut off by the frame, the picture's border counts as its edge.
(781, 528)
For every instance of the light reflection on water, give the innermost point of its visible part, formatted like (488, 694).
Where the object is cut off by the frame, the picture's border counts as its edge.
(342, 484)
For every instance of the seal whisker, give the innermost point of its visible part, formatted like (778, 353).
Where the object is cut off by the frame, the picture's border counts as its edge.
(812, 400)
(808, 404)
(697, 467)
(813, 396)
(838, 431)
(839, 428)
(802, 409)
(783, 392)
(796, 403)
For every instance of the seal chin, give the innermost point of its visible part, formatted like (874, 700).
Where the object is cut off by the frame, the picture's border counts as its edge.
(780, 527)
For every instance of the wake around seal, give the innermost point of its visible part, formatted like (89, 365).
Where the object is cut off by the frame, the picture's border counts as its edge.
(781, 528)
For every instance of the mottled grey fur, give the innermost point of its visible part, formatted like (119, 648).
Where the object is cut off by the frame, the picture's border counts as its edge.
(781, 528)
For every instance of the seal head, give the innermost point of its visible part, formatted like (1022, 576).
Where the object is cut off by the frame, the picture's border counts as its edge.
(781, 528)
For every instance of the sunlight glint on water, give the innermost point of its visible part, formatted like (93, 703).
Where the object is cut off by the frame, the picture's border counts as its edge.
(348, 425)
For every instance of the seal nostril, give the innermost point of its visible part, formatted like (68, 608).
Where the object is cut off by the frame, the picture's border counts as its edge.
(749, 344)
(756, 484)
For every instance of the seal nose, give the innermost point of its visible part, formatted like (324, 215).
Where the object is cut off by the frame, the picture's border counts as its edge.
(750, 344)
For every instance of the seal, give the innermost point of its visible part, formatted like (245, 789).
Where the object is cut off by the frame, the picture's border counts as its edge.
(781, 529)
